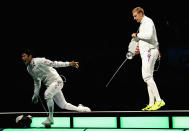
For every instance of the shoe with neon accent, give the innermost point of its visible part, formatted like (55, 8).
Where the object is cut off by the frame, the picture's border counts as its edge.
(146, 108)
(157, 105)
(48, 122)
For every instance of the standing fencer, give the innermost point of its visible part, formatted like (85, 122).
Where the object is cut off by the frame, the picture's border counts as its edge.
(148, 47)
(41, 69)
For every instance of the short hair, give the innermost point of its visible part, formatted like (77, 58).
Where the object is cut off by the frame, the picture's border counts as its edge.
(26, 51)
(138, 10)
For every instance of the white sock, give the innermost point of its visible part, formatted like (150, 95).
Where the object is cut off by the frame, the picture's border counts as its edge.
(154, 89)
(71, 107)
(50, 104)
(61, 102)
(151, 96)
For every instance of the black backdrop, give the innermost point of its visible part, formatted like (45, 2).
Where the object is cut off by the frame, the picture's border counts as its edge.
(97, 36)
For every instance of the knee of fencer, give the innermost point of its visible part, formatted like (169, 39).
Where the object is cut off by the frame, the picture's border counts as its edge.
(150, 81)
(48, 96)
(147, 78)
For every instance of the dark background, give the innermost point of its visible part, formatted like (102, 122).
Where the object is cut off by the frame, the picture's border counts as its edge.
(97, 35)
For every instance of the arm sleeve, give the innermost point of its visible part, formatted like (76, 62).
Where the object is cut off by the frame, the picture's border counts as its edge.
(37, 86)
(146, 32)
(55, 64)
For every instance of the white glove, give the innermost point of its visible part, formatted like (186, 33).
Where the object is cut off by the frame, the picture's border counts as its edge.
(35, 99)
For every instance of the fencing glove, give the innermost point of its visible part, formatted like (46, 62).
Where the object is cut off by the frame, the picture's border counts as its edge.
(35, 99)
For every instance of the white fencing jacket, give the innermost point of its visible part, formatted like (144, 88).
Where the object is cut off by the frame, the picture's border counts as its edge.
(147, 35)
(42, 70)
(146, 38)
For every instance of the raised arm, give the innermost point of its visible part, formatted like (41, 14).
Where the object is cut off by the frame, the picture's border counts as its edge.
(58, 64)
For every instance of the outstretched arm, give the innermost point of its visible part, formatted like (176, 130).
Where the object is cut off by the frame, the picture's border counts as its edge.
(57, 64)
(74, 64)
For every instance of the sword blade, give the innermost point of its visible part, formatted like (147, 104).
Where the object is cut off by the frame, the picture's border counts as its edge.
(116, 72)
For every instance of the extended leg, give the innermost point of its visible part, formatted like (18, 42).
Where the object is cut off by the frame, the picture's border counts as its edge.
(61, 102)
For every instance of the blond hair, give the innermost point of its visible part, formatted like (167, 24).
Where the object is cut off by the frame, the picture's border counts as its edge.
(138, 10)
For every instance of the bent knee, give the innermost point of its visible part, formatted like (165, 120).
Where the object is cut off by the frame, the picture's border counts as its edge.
(150, 81)
(48, 95)
(147, 78)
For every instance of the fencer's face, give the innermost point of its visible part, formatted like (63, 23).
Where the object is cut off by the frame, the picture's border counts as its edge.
(137, 16)
(26, 59)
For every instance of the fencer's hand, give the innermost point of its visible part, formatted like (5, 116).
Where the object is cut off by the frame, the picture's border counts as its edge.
(74, 64)
(35, 99)
(134, 35)
(129, 55)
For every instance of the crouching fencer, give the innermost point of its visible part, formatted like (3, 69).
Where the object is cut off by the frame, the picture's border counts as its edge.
(41, 69)
(145, 43)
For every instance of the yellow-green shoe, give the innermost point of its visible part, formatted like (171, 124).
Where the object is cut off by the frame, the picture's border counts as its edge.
(146, 108)
(157, 105)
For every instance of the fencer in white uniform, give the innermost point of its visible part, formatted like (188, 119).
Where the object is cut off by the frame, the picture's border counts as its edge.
(42, 70)
(146, 43)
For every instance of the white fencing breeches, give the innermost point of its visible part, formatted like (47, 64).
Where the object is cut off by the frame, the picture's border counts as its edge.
(148, 62)
(54, 92)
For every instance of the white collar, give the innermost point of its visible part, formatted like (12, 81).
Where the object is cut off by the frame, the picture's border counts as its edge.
(143, 19)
